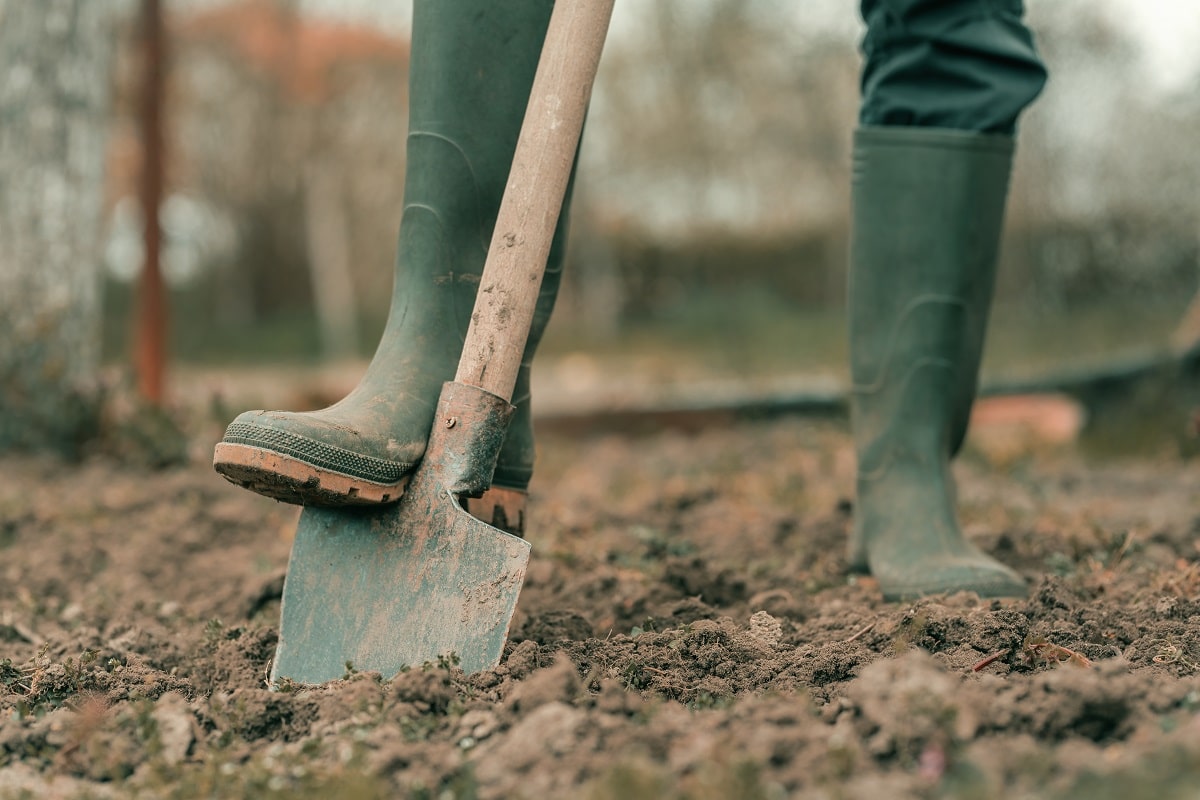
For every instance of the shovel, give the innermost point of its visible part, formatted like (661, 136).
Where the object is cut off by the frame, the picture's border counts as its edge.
(423, 581)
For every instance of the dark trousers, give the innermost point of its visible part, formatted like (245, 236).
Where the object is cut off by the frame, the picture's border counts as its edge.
(964, 64)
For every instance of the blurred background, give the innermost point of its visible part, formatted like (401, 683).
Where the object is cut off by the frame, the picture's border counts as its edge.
(709, 225)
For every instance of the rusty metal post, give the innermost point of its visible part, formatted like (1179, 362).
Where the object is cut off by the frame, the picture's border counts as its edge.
(151, 322)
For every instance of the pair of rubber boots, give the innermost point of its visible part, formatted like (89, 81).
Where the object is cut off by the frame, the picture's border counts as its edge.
(928, 206)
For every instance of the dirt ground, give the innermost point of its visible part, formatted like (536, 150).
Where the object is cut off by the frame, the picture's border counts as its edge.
(687, 630)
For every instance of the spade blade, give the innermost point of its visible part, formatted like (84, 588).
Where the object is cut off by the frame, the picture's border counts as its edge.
(384, 589)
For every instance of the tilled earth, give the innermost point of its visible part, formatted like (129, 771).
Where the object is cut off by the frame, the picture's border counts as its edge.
(687, 629)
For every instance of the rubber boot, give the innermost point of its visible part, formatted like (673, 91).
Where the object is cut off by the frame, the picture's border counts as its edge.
(472, 68)
(928, 209)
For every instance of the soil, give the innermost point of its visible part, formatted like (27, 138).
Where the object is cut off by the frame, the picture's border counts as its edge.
(688, 629)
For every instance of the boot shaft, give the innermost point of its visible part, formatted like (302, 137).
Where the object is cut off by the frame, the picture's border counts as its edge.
(928, 210)
(472, 69)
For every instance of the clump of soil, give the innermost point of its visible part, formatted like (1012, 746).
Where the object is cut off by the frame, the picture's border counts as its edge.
(687, 629)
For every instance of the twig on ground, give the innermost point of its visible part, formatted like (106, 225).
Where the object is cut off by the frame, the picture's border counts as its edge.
(1055, 653)
(987, 661)
(1171, 653)
(861, 632)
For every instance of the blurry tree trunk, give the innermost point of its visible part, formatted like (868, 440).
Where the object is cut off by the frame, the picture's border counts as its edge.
(329, 260)
(151, 332)
(54, 101)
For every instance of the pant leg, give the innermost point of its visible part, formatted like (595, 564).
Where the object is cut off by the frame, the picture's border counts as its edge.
(968, 65)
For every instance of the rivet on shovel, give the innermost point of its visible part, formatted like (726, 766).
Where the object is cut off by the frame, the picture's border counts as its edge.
(451, 422)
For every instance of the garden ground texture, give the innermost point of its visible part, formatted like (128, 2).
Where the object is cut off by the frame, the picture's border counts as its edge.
(688, 629)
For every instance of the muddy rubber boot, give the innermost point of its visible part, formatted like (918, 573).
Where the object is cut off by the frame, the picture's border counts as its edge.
(472, 69)
(928, 209)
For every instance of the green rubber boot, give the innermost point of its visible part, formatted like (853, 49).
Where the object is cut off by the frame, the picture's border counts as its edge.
(928, 209)
(472, 68)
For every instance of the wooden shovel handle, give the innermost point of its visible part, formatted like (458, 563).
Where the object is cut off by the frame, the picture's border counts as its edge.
(512, 275)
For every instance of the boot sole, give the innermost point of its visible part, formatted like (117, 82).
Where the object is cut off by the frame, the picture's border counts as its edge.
(290, 480)
(986, 590)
